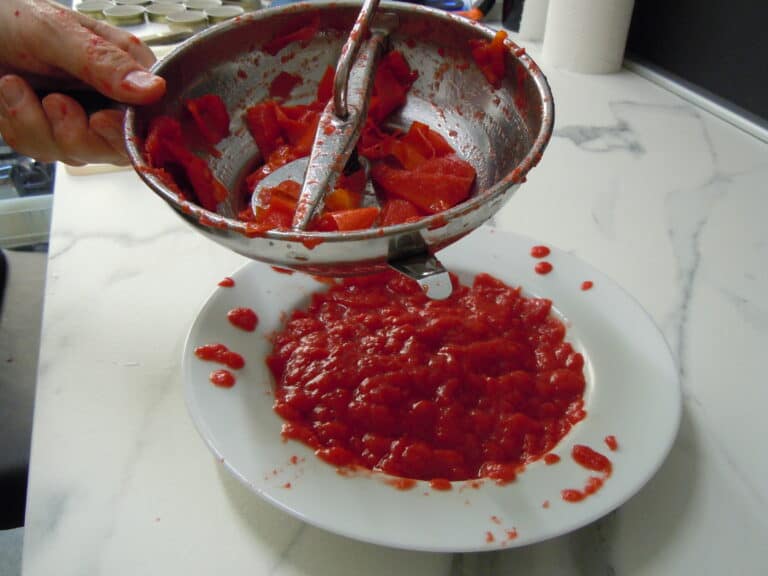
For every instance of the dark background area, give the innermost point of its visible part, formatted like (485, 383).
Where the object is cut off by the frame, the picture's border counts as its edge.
(718, 45)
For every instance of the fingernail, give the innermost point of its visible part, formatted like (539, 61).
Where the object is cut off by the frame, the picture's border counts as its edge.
(141, 80)
(53, 109)
(11, 93)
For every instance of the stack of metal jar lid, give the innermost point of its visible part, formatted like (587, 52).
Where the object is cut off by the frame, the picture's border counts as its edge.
(186, 14)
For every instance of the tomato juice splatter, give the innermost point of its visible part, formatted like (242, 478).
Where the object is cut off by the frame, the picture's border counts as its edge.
(243, 318)
(540, 251)
(550, 459)
(221, 354)
(591, 460)
(593, 484)
(440, 484)
(222, 378)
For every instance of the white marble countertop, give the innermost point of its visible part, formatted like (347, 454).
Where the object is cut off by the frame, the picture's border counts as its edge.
(666, 199)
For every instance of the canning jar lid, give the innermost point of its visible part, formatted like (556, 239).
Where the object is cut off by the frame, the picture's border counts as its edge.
(94, 8)
(222, 13)
(124, 15)
(187, 19)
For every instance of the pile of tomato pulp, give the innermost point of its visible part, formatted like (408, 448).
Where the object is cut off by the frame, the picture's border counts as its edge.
(375, 374)
(416, 173)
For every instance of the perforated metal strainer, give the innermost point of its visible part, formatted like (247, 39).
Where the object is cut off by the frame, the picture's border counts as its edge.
(501, 132)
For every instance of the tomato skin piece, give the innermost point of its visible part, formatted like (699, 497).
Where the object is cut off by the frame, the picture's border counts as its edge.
(435, 186)
(211, 117)
(298, 130)
(302, 35)
(261, 120)
(208, 189)
(409, 150)
(428, 142)
(165, 149)
(342, 199)
(325, 87)
(347, 220)
(489, 57)
(164, 133)
(283, 84)
(287, 188)
(399, 211)
(391, 83)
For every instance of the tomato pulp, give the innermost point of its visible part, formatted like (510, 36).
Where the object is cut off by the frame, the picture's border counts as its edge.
(374, 374)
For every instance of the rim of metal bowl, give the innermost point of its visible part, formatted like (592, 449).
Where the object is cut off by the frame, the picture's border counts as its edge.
(215, 220)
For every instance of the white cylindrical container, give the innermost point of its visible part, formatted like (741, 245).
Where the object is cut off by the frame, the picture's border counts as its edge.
(533, 19)
(587, 36)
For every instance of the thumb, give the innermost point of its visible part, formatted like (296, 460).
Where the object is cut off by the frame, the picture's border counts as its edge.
(96, 60)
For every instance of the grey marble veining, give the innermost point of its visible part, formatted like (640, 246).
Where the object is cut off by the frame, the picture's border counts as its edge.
(602, 138)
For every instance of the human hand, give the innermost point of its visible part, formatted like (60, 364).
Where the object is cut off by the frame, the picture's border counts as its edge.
(44, 46)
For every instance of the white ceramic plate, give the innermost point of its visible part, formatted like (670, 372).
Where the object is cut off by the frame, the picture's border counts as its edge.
(632, 393)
